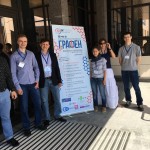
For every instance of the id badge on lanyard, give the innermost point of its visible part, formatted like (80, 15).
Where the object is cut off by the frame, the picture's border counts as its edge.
(47, 69)
(21, 64)
(96, 71)
(127, 57)
(127, 51)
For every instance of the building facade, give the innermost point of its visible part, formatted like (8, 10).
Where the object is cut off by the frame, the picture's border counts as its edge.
(100, 18)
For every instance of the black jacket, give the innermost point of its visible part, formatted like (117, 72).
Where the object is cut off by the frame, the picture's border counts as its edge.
(6, 57)
(5, 76)
(56, 77)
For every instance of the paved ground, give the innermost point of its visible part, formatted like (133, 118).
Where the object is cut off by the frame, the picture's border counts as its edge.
(123, 119)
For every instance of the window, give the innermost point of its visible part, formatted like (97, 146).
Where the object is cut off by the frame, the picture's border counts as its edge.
(140, 1)
(5, 2)
(6, 30)
(120, 3)
(134, 18)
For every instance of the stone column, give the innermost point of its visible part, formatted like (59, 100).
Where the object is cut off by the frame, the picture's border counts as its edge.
(101, 17)
(28, 20)
(58, 11)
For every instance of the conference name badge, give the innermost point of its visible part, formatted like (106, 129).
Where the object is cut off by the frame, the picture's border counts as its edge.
(21, 64)
(47, 69)
(127, 57)
(96, 71)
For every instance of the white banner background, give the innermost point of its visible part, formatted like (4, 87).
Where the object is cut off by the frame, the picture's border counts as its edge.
(71, 50)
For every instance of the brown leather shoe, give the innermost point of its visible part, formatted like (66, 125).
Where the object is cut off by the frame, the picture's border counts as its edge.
(103, 109)
(96, 108)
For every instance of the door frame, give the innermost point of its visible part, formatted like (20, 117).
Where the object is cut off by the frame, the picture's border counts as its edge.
(45, 11)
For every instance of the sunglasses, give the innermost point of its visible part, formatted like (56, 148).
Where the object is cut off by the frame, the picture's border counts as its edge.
(102, 43)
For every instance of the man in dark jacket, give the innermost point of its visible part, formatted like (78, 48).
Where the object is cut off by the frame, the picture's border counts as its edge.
(6, 84)
(50, 78)
(3, 54)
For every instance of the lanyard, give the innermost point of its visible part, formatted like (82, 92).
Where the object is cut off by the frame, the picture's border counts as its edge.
(45, 59)
(23, 57)
(127, 50)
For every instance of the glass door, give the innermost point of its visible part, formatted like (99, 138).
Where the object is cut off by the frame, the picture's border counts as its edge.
(141, 28)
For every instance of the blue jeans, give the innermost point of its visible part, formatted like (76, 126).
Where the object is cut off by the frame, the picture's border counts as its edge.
(45, 102)
(132, 76)
(5, 105)
(98, 83)
(30, 89)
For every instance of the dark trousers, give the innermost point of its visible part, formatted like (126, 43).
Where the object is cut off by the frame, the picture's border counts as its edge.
(132, 76)
(30, 89)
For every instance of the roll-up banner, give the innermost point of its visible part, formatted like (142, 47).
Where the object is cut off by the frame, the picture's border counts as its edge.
(71, 49)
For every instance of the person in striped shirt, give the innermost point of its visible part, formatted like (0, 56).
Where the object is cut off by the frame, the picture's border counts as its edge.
(98, 78)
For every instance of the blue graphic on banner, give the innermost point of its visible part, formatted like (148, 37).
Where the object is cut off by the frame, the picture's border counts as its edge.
(66, 109)
(86, 65)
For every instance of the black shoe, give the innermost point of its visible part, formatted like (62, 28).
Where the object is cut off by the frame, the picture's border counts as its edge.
(140, 108)
(13, 142)
(61, 119)
(128, 103)
(46, 123)
(41, 127)
(27, 132)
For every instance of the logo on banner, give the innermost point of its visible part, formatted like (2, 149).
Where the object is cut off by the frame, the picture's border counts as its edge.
(84, 106)
(76, 106)
(59, 31)
(81, 98)
(66, 100)
(68, 108)
(65, 109)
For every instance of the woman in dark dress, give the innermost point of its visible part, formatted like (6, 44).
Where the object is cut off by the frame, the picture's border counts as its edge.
(111, 87)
